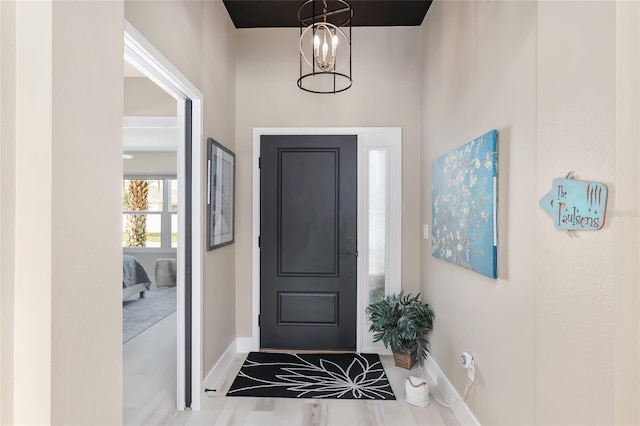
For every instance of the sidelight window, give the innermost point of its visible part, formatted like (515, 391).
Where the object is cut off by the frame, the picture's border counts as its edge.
(378, 222)
(380, 211)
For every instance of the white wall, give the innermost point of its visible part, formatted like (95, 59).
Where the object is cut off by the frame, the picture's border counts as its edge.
(32, 330)
(151, 162)
(627, 208)
(80, 30)
(479, 63)
(142, 97)
(575, 283)
(386, 74)
(61, 153)
(200, 45)
(218, 84)
(549, 334)
(7, 203)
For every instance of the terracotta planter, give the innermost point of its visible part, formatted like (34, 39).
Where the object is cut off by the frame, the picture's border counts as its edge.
(405, 359)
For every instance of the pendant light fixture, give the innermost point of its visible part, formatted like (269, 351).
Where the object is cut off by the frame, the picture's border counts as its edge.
(325, 46)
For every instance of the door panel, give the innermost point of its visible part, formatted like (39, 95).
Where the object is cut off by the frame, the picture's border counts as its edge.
(307, 308)
(308, 233)
(307, 239)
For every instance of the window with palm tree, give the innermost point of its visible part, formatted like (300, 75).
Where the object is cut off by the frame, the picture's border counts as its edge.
(150, 207)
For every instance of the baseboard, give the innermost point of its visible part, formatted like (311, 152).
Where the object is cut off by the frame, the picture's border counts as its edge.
(451, 396)
(215, 376)
(246, 345)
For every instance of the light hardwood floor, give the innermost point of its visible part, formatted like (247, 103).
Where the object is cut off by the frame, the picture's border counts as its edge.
(149, 395)
(149, 375)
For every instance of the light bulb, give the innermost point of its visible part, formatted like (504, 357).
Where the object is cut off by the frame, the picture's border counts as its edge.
(325, 49)
(316, 44)
(334, 45)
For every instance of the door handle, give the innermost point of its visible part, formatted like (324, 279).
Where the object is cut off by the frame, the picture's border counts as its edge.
(349, 254)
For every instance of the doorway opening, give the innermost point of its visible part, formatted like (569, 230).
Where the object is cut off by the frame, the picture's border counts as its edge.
(149, 246)
(150, 62)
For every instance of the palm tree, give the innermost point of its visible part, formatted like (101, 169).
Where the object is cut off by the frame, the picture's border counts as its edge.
(137, 223)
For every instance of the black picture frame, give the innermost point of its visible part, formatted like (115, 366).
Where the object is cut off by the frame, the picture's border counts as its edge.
(221, 179)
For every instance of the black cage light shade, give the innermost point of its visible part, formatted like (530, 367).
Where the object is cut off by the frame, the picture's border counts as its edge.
(325, 46)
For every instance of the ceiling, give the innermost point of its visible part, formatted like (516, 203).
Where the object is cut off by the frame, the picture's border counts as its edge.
(366, 13)
(150, 134)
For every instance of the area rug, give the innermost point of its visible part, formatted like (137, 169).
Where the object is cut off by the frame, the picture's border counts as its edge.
(333, 376)
(140, 314)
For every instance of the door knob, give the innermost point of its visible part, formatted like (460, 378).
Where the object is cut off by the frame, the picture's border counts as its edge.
(349, 254)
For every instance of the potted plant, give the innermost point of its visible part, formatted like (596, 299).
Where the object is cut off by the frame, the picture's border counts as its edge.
(402, 322)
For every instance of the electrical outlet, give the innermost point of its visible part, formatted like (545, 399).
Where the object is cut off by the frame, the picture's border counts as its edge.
(425, 231)
(468, 362)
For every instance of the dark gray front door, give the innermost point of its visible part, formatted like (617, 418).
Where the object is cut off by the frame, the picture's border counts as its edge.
(308, 241)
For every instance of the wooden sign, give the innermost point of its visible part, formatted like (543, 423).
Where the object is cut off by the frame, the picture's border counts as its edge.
(576, 205)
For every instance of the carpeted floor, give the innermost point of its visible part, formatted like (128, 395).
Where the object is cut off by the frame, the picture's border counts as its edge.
(140, 314)
(330, 376)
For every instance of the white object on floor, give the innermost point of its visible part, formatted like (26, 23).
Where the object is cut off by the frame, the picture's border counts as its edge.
(417, 391)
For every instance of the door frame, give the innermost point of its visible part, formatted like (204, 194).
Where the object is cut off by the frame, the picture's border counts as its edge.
(148, 60)
(368, 137)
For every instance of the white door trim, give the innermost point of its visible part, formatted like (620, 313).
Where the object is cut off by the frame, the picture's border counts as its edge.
(147, 59)
(368, 137)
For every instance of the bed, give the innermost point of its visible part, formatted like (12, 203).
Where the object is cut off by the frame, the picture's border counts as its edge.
(134, 277)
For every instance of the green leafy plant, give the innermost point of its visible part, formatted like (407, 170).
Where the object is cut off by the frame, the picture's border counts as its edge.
(402, 322)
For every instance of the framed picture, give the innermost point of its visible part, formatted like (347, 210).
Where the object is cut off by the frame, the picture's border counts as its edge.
(464, 206)
(221, 176)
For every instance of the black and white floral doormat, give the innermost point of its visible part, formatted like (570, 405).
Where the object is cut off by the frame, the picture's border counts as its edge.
(334, 376)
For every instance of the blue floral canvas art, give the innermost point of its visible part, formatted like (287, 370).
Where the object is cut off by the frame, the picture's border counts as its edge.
(464, 206)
